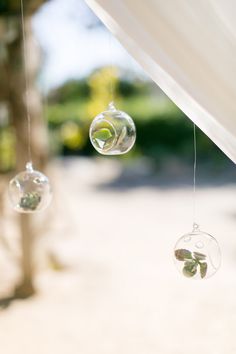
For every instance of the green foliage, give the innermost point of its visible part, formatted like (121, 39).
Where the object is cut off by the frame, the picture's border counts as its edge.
(163, 130)
(183, 254)
(192, 262)
(129, 88)
(102, 134)
(7, 149)
(59, 113)
(30, 201)
(190, 268)
(203, 269)
(71, 91)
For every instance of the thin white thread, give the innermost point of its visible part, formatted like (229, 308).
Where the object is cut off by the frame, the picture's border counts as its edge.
(26, 82)
(194, 174)
(111, 84)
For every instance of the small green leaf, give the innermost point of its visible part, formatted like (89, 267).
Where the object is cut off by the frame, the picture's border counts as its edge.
(203, 269)
(102, 134)
(190, 268)
(183, 254)
(30, 201)
(199, 256)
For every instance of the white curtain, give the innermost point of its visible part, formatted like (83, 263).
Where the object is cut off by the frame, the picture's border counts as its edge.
(188, 47)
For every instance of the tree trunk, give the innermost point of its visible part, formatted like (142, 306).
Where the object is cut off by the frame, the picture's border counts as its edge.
(18, 116)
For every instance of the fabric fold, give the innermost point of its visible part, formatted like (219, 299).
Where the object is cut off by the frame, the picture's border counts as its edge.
(188, 48)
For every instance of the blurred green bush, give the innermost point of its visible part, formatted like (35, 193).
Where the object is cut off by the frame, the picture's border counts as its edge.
(162, 129)
(7, 148)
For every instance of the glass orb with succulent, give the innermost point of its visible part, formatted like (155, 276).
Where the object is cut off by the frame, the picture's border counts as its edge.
(197, 254)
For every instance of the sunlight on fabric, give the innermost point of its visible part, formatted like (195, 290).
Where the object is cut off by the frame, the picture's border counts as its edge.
(188, 48)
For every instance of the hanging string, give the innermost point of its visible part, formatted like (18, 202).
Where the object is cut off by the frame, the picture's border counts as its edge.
(26, 82)
(195, 225)
(111, 81)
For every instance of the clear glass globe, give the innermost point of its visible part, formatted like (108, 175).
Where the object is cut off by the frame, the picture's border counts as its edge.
(30, 191)
(197, 254)
(112, 132)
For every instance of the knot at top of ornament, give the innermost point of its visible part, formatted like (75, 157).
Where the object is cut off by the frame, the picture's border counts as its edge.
(196, 227)
(111, 106)
(29, 166)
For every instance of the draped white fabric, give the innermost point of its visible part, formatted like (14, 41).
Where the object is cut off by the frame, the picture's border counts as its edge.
(188, 47)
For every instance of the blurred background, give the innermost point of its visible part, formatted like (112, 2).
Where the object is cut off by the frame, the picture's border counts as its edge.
(99, 260)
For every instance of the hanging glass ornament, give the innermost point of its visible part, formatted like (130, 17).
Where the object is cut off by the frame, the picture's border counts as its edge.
(30, 191)
(112, 132)
(197, 254)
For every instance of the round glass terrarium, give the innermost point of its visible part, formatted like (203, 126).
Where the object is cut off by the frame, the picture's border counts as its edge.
(112, 132)
(197, 254)
(30, 191)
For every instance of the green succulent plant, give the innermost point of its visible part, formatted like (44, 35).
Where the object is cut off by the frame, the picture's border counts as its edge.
(102, 134)
(193, 262)
(30, 201)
